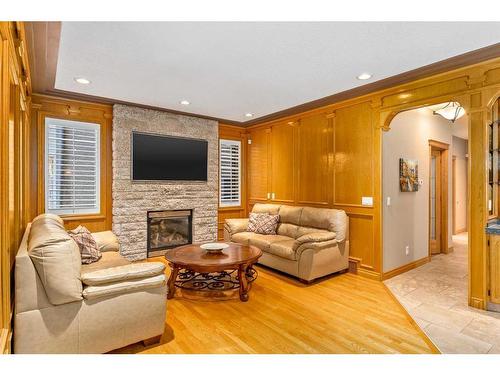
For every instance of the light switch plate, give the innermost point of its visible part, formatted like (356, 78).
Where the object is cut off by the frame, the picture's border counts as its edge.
(367, 201)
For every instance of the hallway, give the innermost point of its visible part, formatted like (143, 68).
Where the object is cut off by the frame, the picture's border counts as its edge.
(435, 295)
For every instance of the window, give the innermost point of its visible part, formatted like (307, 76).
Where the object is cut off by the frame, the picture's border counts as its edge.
(230, 174)
(72, 151)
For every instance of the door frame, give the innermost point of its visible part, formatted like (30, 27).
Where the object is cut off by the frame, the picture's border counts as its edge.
(444, 148)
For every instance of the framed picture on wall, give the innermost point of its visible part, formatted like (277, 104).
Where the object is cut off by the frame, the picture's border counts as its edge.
(408, 175)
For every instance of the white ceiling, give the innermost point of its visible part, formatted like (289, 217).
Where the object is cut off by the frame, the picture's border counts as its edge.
(228, 69)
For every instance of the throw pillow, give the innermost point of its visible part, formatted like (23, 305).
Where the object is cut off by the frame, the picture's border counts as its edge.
(88, 247)
(263, 223)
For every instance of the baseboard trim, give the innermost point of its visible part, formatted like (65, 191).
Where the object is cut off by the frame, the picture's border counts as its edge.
(369, 274)
(477, 303)
(462, 230)
(405, 268)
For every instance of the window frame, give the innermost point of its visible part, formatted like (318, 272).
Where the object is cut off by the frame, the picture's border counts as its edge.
(239, 143)
(76, 124)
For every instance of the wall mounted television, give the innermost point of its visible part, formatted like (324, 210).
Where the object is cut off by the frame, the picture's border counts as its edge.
(166, 158)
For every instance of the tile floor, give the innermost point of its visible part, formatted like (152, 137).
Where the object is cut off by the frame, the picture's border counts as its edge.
(435, 295)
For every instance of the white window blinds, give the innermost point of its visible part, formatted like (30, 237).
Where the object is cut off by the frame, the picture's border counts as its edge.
(72, 153)
(230, 173)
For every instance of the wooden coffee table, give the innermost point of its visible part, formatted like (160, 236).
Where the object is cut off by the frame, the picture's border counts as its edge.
(196, 269)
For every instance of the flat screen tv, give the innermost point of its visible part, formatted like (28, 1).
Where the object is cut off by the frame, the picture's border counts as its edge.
(165, 158)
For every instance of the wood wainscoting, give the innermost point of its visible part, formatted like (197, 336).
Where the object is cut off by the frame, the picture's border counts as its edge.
(15, 180)
(47, 106)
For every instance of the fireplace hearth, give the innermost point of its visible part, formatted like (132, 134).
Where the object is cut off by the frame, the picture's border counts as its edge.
(168, 229)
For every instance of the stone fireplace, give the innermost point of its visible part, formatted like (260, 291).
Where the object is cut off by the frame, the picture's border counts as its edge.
(135, 203)
(168, 229)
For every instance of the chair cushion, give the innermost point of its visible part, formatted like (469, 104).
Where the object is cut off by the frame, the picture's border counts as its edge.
(122, 273)
(284, 249)
(108, 290)
(57, 260)
(106, 241)
(109, 259)
(89, 251)
(263, 223)
(263, 241)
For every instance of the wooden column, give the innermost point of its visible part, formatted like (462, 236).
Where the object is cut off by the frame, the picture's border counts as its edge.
(478, 205)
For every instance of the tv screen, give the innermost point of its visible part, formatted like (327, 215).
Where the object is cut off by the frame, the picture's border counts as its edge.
(163, 158)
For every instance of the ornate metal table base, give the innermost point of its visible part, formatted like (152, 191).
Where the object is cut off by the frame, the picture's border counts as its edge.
(214, 281)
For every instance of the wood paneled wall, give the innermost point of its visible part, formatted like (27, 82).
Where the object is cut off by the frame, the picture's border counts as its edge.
(47, 106)
(331, 157)
(237, 134)
(15, 186)
(315, 159)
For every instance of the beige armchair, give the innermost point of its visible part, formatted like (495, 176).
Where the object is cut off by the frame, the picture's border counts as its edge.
(62, 306)
(309, 243)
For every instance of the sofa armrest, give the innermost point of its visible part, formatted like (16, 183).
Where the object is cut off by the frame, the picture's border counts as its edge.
(299, 248)
(106, 241)
(315, 237)
(107, 290)
(234, 226)
(123, 273)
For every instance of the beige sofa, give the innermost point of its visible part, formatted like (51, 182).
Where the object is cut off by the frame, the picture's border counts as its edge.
(310, 242)
(62, 306)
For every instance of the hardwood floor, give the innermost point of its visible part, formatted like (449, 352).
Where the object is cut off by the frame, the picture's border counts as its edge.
(342, 314)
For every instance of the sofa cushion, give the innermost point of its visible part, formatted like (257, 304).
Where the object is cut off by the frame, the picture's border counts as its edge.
(265, 208)
(290, 214)
(109, 259)
(109, 290)
(89, 251)
(48, 216)
(284, 249)
(264, 241)
(57, 260)
(263, 223)
(325, 218)
(289, 230)
(106, 241)
(122, 273)
(242, 237)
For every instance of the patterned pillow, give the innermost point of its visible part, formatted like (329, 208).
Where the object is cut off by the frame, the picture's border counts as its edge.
(88, 247)
(263, 223)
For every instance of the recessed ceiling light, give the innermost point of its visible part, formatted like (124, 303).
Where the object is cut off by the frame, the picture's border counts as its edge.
(82, 81)
(364, 76)
(249, 114)
(184, 102)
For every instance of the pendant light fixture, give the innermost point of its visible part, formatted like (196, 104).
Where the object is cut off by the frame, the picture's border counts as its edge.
(451, 111)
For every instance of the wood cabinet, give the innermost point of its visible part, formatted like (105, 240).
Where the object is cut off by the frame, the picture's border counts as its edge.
(494, 279)
(290, 162)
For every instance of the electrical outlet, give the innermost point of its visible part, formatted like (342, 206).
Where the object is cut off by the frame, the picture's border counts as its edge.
(407, 250)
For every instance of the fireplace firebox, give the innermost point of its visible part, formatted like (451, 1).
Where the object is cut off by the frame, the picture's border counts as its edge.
(168, 229)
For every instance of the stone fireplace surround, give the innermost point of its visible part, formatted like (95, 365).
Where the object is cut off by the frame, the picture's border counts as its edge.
(132, 200)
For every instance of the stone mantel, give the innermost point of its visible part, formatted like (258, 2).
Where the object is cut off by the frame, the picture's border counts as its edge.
(132, 200)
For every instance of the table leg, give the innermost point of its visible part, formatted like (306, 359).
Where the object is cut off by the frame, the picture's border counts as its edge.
(171, 281)
(242, 277)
